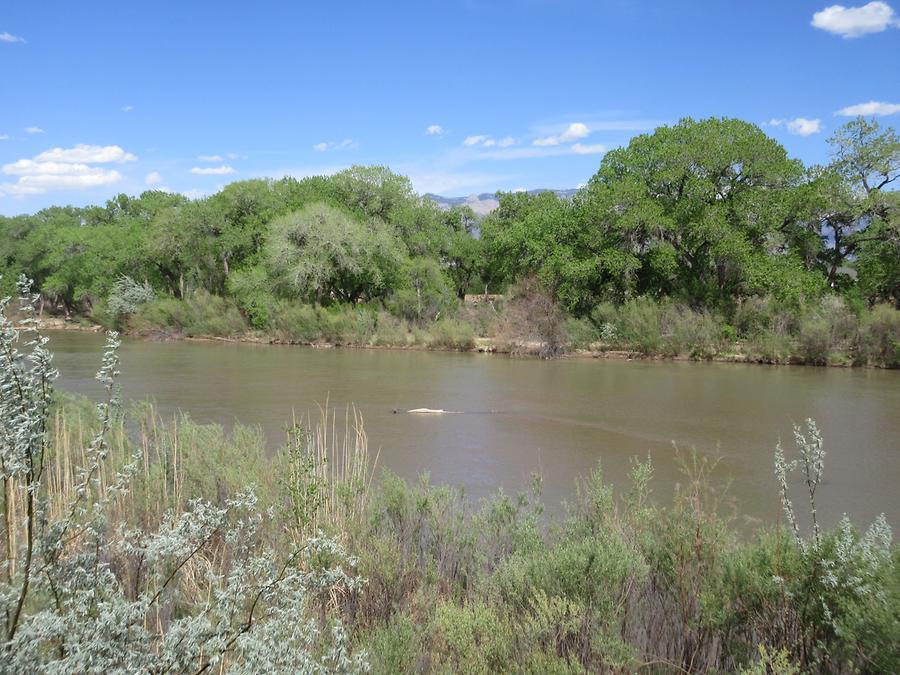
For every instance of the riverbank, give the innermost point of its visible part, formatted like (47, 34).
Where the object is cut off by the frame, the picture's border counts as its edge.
(737, 352)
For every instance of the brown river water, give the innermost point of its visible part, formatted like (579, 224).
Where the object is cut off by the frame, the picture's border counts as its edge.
(520, 416)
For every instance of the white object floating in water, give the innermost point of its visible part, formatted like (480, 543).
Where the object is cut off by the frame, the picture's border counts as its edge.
(432, 411)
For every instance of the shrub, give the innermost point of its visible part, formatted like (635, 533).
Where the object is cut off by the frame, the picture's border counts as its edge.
(296, 323)
(163, 314)
(452, 334)
(126, 296)
(580, 333)
(213, 316)
(879, 337)
(390, 331)
(347, 324)
(252, 291)
(769, 347)
(815, 341)
(638, 326)
(85, 590)
(534, 316)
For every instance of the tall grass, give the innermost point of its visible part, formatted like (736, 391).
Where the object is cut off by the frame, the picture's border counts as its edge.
(329, 472)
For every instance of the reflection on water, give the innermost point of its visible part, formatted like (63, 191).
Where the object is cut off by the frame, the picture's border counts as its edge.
(561, 417)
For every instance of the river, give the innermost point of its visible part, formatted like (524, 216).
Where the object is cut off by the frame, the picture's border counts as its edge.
(519, 416)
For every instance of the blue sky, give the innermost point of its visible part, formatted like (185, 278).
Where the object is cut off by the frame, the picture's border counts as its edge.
(107, 97)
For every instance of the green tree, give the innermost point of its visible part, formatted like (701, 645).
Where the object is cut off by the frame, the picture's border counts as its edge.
(698, 210)
(324, 254)
(855, 215)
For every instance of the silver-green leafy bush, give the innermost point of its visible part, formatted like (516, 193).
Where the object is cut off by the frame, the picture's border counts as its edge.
(81, 591)
(127, 295)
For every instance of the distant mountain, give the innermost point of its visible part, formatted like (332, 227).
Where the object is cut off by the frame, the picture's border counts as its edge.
(484, 203)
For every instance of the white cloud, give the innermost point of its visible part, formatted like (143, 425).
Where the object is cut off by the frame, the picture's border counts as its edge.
(210, 158)
(547, 141)
(9, 37)
(597, 149)
(575, 131)
(4, 137)
(853, 22)
(870, 108)
(33, 130)
(127, 108)
(346, 144)
(435, 130)
(87, 154)
(223, 170)
(195, 193)
(38, 177)
(799, 126)
(153, 178)
(64, 169)
(489, 142)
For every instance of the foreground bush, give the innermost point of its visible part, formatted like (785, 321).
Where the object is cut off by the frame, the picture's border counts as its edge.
(83, 589)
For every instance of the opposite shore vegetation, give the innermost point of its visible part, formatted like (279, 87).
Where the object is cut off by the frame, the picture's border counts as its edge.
(701, 240)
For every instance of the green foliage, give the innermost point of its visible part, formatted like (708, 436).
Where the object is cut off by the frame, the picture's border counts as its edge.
(126, 296)
(879, 341)
(580, 333)
(92, 564)
(347, 325)
(452, 334)
(323, 254)
(294, 322)
(252, 291)
(709, 218)
(202, 315)
(425, 293)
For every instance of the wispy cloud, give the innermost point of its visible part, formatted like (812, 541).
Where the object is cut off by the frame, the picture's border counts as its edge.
(127, 108)
(33, 130)
(65, 169)
(9, 37)
(442, 182)
(153, 178)
(541, 151)
(595, 149)
(346, 144)
(210, 158)
(878, 108)
(799, 126)
(435, 130)
(854, 22)
(574, 132)
(4, 137)
(223, 170)
(489, 142)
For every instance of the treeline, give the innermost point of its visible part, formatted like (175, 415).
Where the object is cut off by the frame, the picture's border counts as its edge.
(709, 216)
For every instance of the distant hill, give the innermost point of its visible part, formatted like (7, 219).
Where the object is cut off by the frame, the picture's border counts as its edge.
(484, 203)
